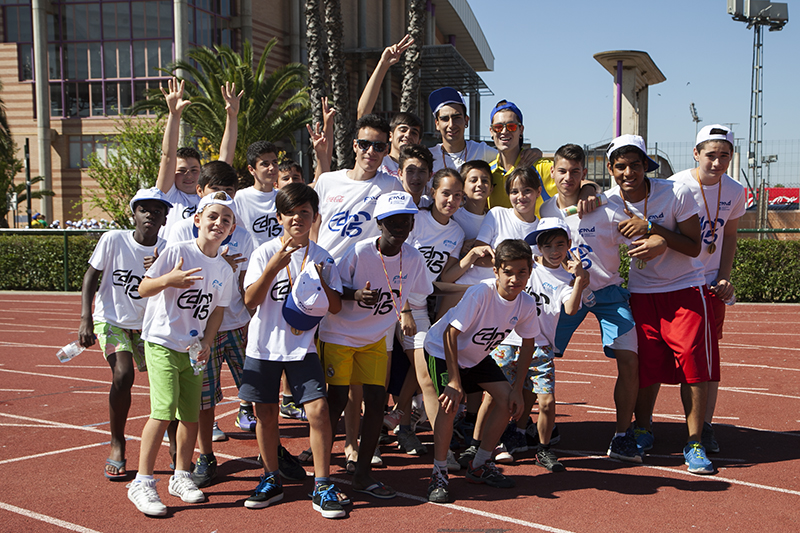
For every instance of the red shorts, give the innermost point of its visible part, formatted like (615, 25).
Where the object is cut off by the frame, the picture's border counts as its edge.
(677, 338)
(718, 307)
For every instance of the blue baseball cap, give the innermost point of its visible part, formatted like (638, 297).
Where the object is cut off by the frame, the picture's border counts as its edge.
(505, 104)
(444, 96)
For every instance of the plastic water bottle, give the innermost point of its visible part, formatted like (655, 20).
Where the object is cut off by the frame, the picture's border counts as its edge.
(573, 209)
(588, 298)
(194, 353)
(327, 266)
(729, 301)
(69, 351)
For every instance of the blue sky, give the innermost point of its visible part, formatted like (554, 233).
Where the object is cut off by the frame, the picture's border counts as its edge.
(543, 62)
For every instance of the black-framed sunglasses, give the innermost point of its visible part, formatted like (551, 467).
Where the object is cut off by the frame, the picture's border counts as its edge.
(510, 126)
(364, 145)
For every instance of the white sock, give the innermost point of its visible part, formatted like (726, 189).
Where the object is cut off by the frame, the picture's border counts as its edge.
(481, 457)
(182, 473)
(619, 434)
(141, 478)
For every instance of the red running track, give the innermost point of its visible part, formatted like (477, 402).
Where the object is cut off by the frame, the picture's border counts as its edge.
(54, 441)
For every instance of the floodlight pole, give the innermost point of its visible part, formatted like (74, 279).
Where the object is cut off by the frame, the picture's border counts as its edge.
(757, 126)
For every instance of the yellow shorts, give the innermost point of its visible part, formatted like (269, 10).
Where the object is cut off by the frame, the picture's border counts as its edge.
(344, 365)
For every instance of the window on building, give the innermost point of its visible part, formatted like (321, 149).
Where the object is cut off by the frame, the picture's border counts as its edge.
(81, 146)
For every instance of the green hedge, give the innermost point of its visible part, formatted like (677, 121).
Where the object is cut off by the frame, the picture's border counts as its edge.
(36, 262)
(763, 271)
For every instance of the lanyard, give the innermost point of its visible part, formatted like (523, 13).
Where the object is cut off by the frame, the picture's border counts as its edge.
(302, 266)
(388, 281)
(640, 263)
(462, 156)
(713, 223)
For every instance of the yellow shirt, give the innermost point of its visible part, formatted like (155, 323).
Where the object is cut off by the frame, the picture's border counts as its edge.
(499, 197)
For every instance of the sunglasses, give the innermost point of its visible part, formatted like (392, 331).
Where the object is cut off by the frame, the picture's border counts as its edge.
(364, 145)
(511, 126)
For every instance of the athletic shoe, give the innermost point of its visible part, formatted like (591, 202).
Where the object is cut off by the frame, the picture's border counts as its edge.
(288, 465)
(532, 435)
(452, 464)
(708, 438)
(694, 456)
(144, 496)
(464, 430)
(418, 419)
(290, 410)
(410, 443)
(325, 501)
(624, 448)
(502, 456)
(376, 460)
(547, 459)
(245, 420)
(439, 487)
(644, 438)
(489, 473)
(184, 488)
(217, 435)
(268, 491)
(515, 442)
(392, 419)
(205, 470)
(466, 457)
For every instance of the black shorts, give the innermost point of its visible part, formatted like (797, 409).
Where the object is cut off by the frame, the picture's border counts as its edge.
(261, 380)
(486, 371)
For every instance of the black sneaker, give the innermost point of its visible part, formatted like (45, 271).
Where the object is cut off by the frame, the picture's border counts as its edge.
(547, 459)
(205, 470)
(288, 465)
(489, 473)
(268, 491)
(439, 487)
(467, 456)
(326, 502)
(708, 439)
(624, 448)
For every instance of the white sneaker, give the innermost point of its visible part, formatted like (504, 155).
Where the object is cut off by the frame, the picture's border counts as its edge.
(184, 488)
(145, 497)
(502, 456)
(392, 420)
(452, 464)
(376, 460)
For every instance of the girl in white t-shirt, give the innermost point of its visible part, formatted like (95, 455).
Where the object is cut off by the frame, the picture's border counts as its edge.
(439, 239)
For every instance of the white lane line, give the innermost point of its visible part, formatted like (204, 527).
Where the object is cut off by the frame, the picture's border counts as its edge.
(105, 393)
(761, 366)
(74, 366)
(54, 452)
(71, 378)
(751, 346)
(47, 519)
(16, 390)
(679, 470)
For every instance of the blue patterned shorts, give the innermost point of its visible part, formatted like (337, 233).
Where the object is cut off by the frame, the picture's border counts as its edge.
(541, 377)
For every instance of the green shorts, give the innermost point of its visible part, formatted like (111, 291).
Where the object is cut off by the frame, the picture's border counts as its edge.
(113, 339)
(174, 389)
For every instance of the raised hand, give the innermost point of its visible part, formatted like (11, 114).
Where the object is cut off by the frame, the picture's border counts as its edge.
(174, 96)
(392, 54)
(231, 98)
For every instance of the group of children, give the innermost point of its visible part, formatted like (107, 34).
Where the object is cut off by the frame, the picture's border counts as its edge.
(405, 246)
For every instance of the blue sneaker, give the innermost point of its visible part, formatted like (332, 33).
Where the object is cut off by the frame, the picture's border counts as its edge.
(217, 435)
(644, 438)
(268, 491)
(694, 456)
(246, 419)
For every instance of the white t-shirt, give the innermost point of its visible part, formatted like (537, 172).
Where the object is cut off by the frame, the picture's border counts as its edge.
(270, 338)
(255, 212)
(357, 325)
(346, 207)
(389, 166)
(236, 314)
(120, 258)
(551, 289)
(595, 240)
(731, 197)
(499, 224)
(174, 314)
(667, 204)
(469, 222)
(183, 206)
(474, 150)
(437, 243)
(484, 319)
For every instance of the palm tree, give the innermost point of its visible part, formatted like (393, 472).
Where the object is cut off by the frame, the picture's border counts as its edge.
(273, 107)
(409, 98)
(316, 64)
(340, 87)
(10, 166)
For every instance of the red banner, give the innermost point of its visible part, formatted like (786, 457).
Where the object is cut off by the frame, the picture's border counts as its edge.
(778, 197)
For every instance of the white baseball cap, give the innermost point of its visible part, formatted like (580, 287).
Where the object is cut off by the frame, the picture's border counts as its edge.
(217, 197)
(631, 140)
(394, 203)
(307, 303)
(153, 193)
(547, 224)
(714, 132)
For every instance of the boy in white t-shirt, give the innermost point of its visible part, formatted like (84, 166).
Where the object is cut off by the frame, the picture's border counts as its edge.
(278, 344)
(595, 240)
(183, 306)
(457, 350)
(377, 275)
(722, 203)
(677, 343)
(347, 197)
(256, 205)
(180, 167)
(119, 310)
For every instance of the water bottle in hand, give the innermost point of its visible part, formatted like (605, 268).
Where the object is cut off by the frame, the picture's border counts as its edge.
(69, 351)
(194, 353)
(588, 297)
